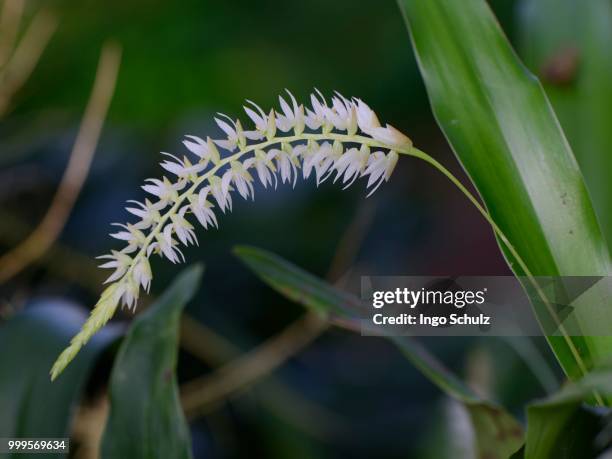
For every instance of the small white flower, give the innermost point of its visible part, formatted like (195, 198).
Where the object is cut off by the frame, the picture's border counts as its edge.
(379, 168)
(265, 125)
(298, 151)
(202, 208)
(286, 163)
(339, 115)
(377, 164)
(120, 262)
(345, 114)
(143, 274)
(391, 136)
(165, 190)
(240, 177)
(131, 291)
(182, 228)
(358, 165)
(204, 149)
(167, 245)
(308, 155)
(196, 145)
(392, 158)
(263, 166)
(351, 164)
(292, 117)
(234, 132)
(366, 118)
(326, 169)
(375, 168)
(317, 117)
(182, 168)
(220, 193)
(134, 237)
(321, 159)
(147, 212)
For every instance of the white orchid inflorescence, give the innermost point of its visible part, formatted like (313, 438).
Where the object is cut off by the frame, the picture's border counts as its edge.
(344, 140)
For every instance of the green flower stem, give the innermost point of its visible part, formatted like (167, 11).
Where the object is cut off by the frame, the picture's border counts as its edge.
(414, 152)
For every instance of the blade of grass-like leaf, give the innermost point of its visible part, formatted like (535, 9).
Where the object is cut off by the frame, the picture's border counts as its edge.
(570, 51)
(497, 433)
(498, 121)
(146, 419)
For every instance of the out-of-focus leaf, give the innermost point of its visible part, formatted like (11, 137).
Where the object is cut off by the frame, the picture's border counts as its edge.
(497, 434)
(570, 52)
(499, 122)
(146, 419)
(561, 426)
(30, 404)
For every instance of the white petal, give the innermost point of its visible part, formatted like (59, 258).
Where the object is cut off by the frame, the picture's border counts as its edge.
(197, 146)
(229, 130)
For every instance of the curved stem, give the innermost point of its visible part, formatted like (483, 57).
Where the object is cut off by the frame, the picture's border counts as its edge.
(500, 234)
(448, 174)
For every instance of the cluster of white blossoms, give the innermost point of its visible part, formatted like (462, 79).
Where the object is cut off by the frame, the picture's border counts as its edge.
(343, 140)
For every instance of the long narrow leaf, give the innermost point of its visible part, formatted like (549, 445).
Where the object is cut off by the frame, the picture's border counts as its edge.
(146, 419)
(497, 433)
(499, 122)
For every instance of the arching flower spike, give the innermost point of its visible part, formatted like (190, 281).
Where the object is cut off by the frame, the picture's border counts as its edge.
(344, 139)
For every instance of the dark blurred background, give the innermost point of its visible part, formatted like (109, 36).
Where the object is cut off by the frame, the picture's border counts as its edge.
(344, 395)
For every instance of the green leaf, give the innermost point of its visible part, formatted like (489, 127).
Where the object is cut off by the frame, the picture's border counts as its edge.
(561, 426)
(497, 433)
(28, 344)
(296, 284)
(570, 51)
(146, 419)
(500, 125)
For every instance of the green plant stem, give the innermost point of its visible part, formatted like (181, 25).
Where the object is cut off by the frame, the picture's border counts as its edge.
(414, 152)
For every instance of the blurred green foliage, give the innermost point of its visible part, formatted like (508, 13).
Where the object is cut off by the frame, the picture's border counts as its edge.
(570, 52)
(185, 55)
